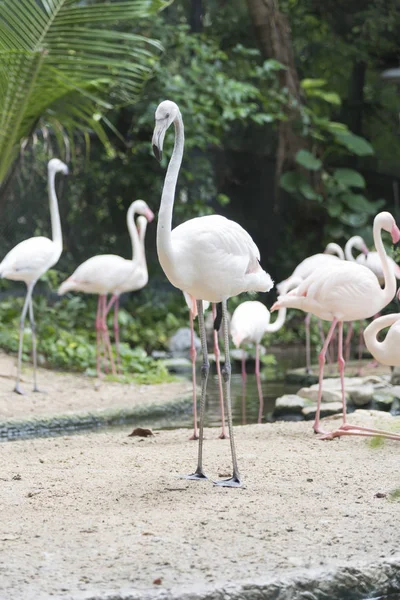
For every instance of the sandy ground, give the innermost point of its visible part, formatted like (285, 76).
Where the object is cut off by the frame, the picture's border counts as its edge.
(104, 512)
(70, 393)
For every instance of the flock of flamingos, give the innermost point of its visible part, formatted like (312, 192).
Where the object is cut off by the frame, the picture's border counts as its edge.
(210, 259)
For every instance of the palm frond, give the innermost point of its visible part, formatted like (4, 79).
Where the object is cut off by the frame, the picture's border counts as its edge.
(67, 61)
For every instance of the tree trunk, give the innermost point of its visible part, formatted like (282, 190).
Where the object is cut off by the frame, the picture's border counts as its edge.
(355, 102)
(274, 39)
(196, 16)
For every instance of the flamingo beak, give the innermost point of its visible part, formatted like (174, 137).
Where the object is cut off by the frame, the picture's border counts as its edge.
(149, 215)
(395, 233)
(364, 250)
(275, 306)
(158, 139)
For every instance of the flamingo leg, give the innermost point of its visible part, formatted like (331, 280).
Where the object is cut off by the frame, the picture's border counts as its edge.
(193, 356)
(115, 301)
(308, 346)
(322, 335)
(223, 435)
(341, 364)
(106, 335)
(29, 291)
(258, 379)
(205, 369)
(34, 347)
(244, 379)
(321, 360)
(98, 337)
(233, 481)
(347, 344)
(360, 351)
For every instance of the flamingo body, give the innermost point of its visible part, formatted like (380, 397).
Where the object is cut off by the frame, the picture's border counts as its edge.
(387, 352)
(30, 259)
(373, 262)
(249, 322)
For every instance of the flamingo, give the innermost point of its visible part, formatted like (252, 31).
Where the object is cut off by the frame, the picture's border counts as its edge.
(372, 261)
(346, 292)
(332, 253)
(193, 355)
(111, 274)
(386, 352)
(250, 322)
(29, 260)
(211, 258)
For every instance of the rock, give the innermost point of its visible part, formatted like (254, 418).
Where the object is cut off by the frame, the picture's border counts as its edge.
(177, 365)
(327, 409)
(328, 395)
(288, 404)
(362, 395)
(383, 399)
(395, 378)
(237, 353)
(179, 344)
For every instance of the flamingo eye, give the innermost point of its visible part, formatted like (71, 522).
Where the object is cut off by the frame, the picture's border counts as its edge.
(167, 116)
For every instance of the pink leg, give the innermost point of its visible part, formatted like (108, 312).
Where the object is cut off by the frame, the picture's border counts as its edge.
(223, 435)
(244, 379)
(360, 351)
(98, 337)
(193, 356)
(321, 360)
(347, 344)
(341, 364)
(328, 351)
(116, 333)
(106, 336)
(308, 347)
(258, 378)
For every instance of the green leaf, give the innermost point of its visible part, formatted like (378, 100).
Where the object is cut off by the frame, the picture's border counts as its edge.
(354, 143)
(308, 191)
(307, 160)
(289, 181)
(334, 210)
(307, 84)
(359, 203)
(349, 177)
(353, 219)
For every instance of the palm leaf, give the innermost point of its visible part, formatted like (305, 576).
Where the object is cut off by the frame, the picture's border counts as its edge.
(65, 62)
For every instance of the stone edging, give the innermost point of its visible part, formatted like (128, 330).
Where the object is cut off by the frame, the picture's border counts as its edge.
(47, 425)
(346, 583)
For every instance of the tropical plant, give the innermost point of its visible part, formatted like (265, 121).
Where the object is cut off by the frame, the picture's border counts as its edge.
(63, 66)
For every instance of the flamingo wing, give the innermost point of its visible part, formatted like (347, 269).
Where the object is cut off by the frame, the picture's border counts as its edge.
(29, 259)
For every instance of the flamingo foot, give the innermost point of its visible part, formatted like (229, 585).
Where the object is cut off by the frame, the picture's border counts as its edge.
(233, 481)
(38, 390)
(194, 436)
(360, 431)
(223, 436)
(19, 390)
(198, 475)
(319, 430)
(373, 364)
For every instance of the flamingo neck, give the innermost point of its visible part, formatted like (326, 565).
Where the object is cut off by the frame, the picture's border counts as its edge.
(133, 233)
(348, 250)
(389, 289)
(164, 225)
(377, 348)
(54, 212)
(336, 250)
(279, 321)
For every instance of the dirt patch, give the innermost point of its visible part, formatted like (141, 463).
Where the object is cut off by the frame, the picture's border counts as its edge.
(106, 513)
(68, 393)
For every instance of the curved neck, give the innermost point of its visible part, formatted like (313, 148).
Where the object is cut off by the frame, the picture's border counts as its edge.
(133, 233)
(348, 250)
(279, 321)
(54, 212)
(370, 334)
(164, 225)
(336, 250)
(390, 278)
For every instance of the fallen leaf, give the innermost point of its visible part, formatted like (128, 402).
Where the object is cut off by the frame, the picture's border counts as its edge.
(380, 495)
(141, 432)
(157, 581)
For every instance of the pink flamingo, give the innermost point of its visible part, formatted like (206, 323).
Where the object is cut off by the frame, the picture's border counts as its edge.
(250, 322)
(332, 253)
(211, 258)
(111, 274)
(29, 260)
(346, 292)
(387, 352)
(193, 355)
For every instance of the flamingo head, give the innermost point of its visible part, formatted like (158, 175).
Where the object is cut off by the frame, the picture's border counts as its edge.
(386, 221)
(57, 166)
(141, 208)
(360, 245)
(166, 114)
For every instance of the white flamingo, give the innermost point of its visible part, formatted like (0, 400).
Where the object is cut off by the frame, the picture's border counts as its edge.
(387, 351)
(193, 355)
(373, 262)
(29, 260)
(211, 258)
(346, 292)
(250, 322)
(111, 274)
(332, 253)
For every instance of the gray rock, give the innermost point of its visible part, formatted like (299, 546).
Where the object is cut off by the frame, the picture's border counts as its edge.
(383, 399)
(328, 395)
(395, 378)
(179, 343)
(327, 409)
(288, 404)
(177, 365)
(362, 395)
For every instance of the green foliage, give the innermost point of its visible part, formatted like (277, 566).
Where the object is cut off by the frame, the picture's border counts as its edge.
(394, 495)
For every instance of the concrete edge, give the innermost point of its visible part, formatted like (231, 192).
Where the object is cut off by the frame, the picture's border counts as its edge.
(47, 425)
(360, 582)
